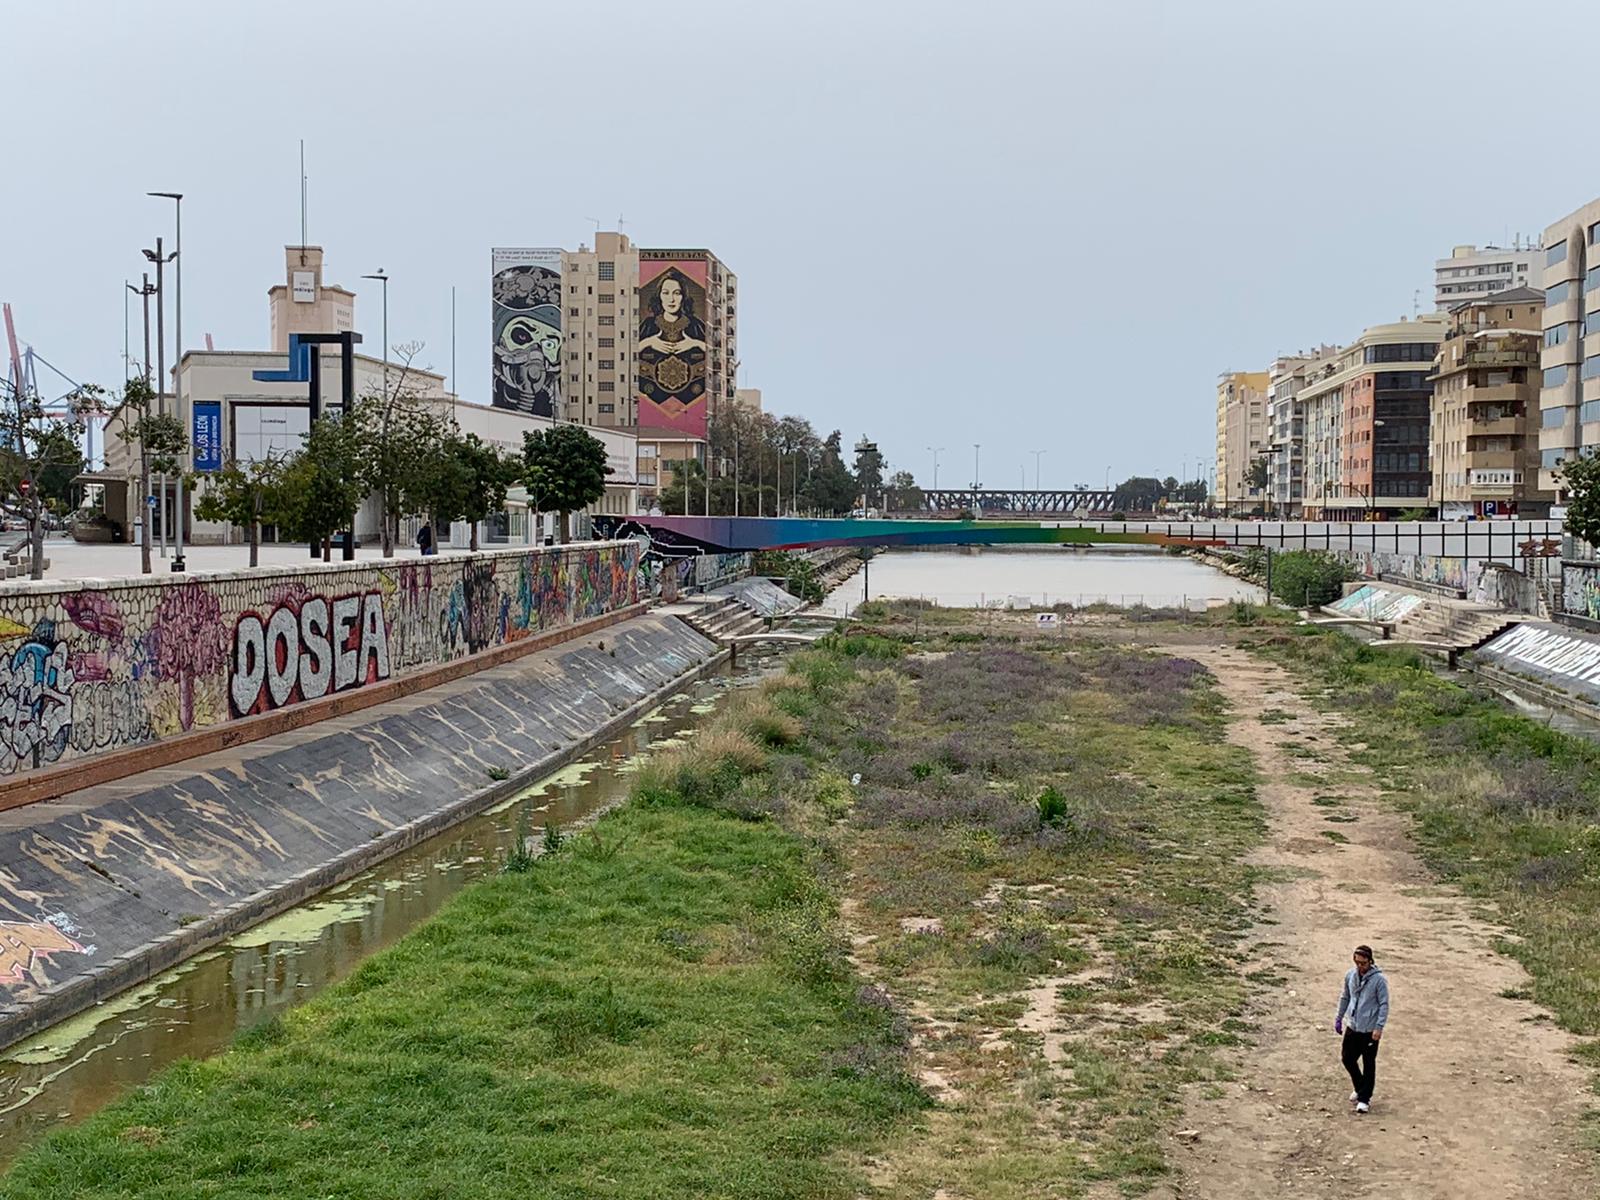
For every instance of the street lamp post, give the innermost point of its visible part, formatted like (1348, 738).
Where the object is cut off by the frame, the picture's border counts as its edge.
(160, 259)
(177, 350)
(1037, 455)
(935, 451)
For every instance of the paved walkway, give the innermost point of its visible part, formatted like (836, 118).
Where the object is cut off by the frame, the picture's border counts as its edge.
(80, 560)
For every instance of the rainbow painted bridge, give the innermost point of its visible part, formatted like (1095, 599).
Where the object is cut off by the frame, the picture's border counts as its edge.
(733, 534)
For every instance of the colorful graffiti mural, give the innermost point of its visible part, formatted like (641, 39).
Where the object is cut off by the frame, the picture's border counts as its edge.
(1459, 573)
(527, 330)
(672, 351)
(1580, 589)
(110, 665)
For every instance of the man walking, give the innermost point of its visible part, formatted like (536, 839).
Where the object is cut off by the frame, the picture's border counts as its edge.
(1363, 1012)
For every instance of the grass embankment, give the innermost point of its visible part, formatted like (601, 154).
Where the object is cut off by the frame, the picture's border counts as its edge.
(1036, 851)
(1505, 807)
(662, 1009)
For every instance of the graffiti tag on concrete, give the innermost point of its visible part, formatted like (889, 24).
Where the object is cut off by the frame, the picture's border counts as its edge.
(306, 654)
(24, 943)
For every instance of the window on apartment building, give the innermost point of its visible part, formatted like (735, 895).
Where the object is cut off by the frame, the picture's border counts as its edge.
(573, 377)
(1591, 279)
(608, 364)
(608, 408)
(1556, 253)
(572, 312)
(1591, 368)
(1551, 458)
(608, 321)
(1557, 334)
(1557, 294)
(1589, 411)
(606, 343)
(608, 297)
(608, 270)
(607, 385)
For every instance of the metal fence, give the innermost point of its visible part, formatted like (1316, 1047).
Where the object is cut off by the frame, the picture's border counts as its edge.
(1500, 540)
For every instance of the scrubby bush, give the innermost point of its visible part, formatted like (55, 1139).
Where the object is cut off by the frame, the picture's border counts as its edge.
(1309, 578)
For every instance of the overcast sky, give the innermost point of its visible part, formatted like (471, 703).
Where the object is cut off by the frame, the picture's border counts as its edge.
(1028, 225)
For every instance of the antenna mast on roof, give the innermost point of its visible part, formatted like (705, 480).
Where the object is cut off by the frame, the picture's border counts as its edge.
(302, 202)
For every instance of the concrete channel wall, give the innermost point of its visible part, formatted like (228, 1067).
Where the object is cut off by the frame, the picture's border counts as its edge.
(114, 884)
(101, 666)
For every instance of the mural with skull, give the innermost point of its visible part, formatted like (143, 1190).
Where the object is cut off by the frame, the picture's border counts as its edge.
(527, 330)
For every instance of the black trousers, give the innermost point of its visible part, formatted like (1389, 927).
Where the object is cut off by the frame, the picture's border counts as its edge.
(1360, 1056)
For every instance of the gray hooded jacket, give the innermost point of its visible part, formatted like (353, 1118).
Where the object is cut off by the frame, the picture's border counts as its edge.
(1364, 1003)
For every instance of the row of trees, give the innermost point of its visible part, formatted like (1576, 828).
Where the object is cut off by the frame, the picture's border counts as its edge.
(416, 462)
(765, 465)
(394, 444)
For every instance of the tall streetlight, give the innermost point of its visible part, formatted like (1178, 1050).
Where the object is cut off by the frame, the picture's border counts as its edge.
(976, 481)
(160, 260)
(1037, 455)
(384, 279)
(177, 351)
(935, 451)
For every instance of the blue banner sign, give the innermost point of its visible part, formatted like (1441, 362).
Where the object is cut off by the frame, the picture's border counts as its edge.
(207, 435)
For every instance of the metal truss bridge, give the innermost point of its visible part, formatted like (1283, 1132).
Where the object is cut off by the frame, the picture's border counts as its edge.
(1048, 502)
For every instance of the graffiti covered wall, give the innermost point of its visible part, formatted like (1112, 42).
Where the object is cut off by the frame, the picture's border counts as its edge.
(1580, 589)
(105, 665)
(673, 351)
(1458, 573)
(527, 330)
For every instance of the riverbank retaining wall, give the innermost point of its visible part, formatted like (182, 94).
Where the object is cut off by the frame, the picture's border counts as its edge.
(115, 884)
(97, 666)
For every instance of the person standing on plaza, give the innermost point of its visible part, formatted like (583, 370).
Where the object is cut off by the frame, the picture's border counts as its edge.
(1363, 1012)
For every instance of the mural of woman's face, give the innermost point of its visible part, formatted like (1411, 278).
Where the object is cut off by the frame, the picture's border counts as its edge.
(671, 298)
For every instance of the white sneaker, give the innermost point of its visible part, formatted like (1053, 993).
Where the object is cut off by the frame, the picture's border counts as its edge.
(1362, 1107)
(1354, 1096)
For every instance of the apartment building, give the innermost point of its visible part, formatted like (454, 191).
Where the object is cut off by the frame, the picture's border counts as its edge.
(1367, 418)
(622, 337)
(1320, 396)
(1484, 443)
(1569, 397)
(1471, 273)
(1286, 429)
(1241, 436)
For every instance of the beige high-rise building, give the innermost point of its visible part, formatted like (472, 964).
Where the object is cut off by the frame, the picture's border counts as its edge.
(1484, 431)
(600, 318)
(622, 337)
(1241, 435)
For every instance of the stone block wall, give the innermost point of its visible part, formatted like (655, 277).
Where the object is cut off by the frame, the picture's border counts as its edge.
(100, 665)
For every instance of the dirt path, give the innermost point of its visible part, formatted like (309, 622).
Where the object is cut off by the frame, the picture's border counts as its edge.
(1476, 1094)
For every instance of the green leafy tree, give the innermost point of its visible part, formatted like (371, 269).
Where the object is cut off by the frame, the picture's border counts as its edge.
(244, 495)
(40, 460)
(155, 442)
(468, 480)
(564, 469)
(1579, 478)
(1139, 493)
(903, 494)
(832, 488)
(686, 493)
(321, 485)
(1255, 475)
